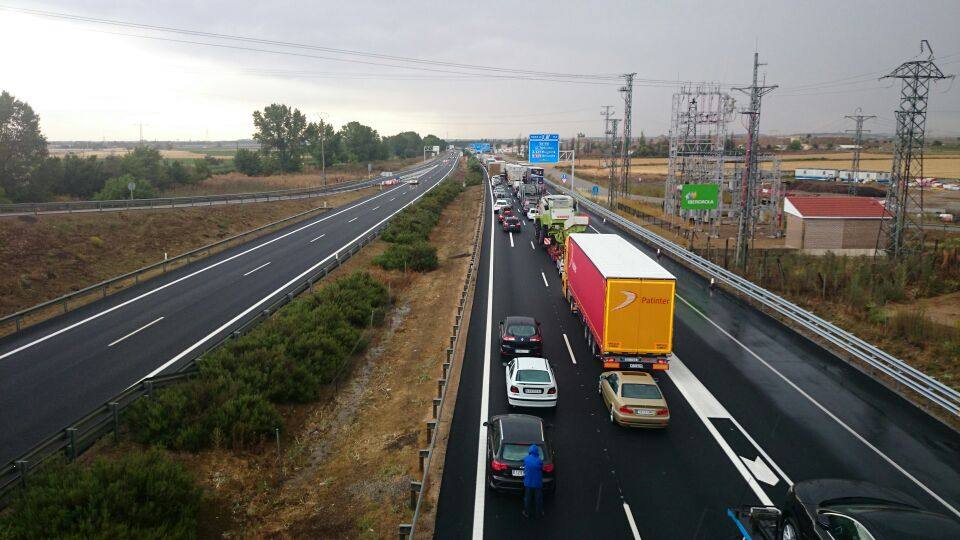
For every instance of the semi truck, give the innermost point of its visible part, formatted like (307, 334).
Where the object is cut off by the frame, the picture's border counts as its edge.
(624, 298)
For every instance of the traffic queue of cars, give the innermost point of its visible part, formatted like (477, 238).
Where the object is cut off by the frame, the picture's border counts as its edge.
(633, 399)
(629, 338)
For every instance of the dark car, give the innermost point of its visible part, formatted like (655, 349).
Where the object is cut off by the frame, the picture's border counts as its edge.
(835, 509)
(512, 224)
(505, 213)
(509, 437)
(520, 336)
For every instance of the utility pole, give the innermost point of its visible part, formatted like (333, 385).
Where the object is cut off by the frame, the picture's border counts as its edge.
(614, 154)
(751, 173)
(857, 139)
(627, 90)
(607, 113)
(904, 232)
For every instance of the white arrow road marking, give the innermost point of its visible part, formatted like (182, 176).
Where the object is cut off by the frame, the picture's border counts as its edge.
(706, 406)
(760, 471)
(144, 327)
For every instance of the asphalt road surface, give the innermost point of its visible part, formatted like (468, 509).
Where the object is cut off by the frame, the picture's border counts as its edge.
(53, 373)
(754, 407)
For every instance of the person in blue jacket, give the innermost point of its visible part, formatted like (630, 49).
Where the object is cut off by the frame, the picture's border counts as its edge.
(532, 481)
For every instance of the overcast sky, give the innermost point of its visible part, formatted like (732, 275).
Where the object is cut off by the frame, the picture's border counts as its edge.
(87, 81)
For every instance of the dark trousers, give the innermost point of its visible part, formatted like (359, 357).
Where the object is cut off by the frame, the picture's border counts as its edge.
(531, 495)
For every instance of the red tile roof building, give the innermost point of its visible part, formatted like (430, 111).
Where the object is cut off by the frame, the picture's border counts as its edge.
(839, 224)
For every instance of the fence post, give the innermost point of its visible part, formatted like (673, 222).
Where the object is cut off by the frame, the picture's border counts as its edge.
(405, 530)
(72, 436)
(21, 465)
(726, 253)
(436, 405)
(423, 455)
(414, 491)
(431, 426)
(115, 409)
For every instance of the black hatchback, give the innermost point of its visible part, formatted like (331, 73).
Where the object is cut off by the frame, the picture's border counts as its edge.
(509, 437)
(520, 336)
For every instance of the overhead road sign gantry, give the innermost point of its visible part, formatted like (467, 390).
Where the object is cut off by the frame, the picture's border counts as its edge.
(544, 148)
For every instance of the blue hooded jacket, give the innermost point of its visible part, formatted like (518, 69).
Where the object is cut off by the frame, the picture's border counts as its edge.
(533, 468)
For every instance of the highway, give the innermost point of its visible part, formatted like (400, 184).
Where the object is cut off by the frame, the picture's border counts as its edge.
(56, 371)
(754, 408)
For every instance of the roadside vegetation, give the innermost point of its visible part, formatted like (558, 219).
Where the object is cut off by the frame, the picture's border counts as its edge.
(28, 173)
(408, 233)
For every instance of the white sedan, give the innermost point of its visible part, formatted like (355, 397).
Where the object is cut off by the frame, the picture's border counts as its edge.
(530, 383)
(500, 204)
(533, 214)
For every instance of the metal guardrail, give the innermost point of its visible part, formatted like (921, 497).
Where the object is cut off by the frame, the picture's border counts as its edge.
(902, 373)
(19, 319)
(174, 202)
(418, 489)
(80, 435)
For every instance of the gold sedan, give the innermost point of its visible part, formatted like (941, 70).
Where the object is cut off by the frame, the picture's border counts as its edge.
(634, 399)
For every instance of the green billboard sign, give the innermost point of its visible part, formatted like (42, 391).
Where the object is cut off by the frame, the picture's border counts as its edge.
(699, 197)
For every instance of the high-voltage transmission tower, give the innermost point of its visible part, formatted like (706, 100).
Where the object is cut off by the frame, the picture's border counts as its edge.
(857, 139)
(904, 232)
(606, 113)
(612, 163)
(627, 91)
(751, 174)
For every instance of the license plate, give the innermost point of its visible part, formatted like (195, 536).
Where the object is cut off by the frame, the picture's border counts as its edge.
(523, 350)
(517, 472)
(533, 390)
(636, 366)
(644, 412)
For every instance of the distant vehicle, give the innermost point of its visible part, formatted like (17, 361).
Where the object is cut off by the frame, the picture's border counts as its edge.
(633, 399)
(500, 204)
(512, 224)
(530, 383)
(509, 437)
(837, 509)
(624, 298)
(533, 214)
(505, 212)
(520, 336)
(413, 181)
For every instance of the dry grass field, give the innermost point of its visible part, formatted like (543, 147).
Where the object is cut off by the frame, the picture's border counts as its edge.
(104, 152)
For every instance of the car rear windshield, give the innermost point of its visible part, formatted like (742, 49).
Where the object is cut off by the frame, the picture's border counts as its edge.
(522, 330)
(640, 391)
(516, 452)
(533, 375)
(513, 220)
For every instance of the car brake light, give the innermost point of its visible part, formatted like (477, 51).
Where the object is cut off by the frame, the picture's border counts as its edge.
(663, 412)
(552, 390)
(498, 465)
(514, 390)
(626, 410)
(548, 467)
(535, 338)
(509, 338)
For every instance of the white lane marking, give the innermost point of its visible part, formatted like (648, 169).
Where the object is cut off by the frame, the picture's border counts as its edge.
(317, 238)
(352, 220)
(544, 276)
(255, 269)
(144, 327)
(511, 239)
(630, 520)
(479, 494)
(531, 245)
(832, 416)
(178, 280)
(569, 350)
(706, 406)
(286, 286)
(393, 199)
(594, 229)
(375, 208)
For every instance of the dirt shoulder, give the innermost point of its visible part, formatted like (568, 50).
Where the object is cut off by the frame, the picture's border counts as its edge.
(43, 257)
(347, 461)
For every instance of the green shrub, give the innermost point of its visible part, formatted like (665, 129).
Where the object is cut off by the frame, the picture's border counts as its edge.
(419, 257)
(138, 495)
(287, 359)
(116, 189)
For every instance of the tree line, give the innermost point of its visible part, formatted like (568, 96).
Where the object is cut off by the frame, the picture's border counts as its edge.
(28, 173)
(287, 140)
